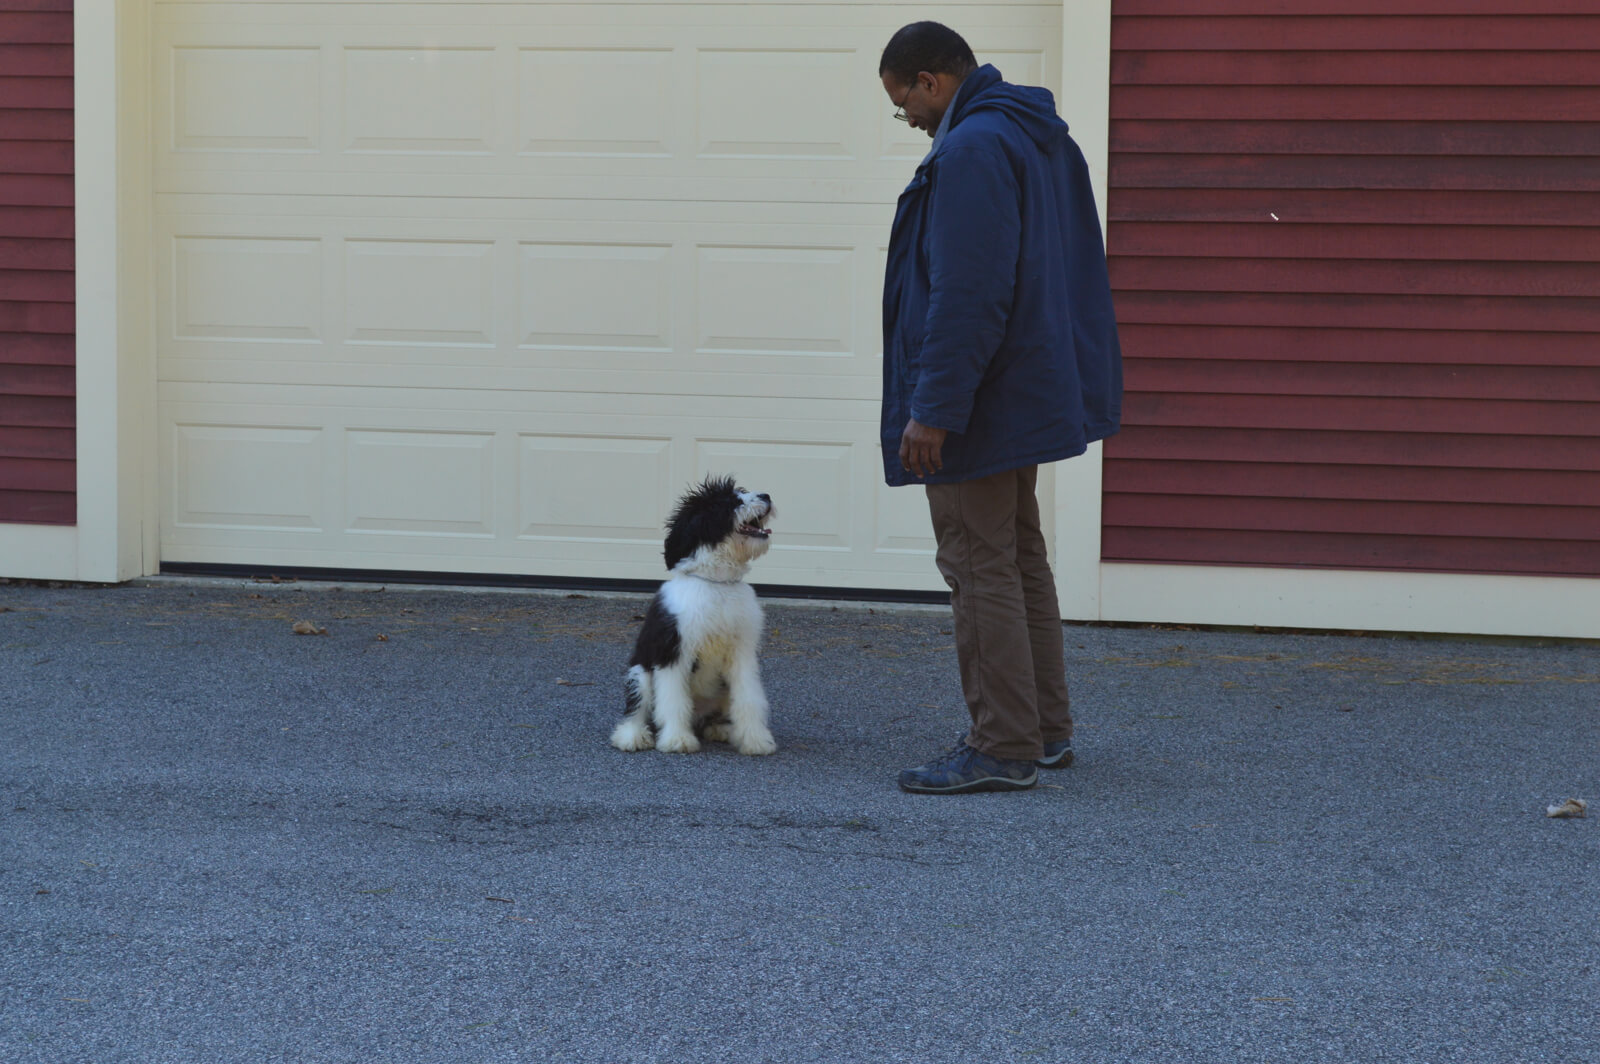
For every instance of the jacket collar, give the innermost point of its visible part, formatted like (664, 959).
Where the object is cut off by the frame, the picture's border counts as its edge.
(977, 81)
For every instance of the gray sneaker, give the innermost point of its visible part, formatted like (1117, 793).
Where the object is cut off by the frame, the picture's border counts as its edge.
(1056, 755)
(965, 771)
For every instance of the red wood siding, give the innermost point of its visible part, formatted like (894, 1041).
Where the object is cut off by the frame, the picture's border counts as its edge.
(1355, 246)
(37, 314)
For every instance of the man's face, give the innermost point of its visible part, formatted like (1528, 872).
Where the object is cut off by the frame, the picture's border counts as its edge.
(924, 100)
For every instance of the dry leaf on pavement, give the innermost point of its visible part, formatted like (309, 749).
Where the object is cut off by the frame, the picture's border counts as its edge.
(1572, 807)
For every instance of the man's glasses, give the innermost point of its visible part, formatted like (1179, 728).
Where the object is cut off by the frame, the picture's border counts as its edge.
(900, 109)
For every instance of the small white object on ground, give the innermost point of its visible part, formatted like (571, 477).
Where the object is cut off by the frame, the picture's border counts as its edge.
(1572, 807)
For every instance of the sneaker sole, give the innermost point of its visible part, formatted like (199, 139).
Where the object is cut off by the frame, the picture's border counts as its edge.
(991, 783)
(1061, 760)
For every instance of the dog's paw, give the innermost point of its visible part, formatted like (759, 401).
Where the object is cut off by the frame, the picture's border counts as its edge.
(632, 735)
(754, 742)
(716, 733)
(678, 743)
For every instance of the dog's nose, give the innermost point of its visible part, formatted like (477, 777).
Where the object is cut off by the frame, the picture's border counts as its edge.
(764, 497)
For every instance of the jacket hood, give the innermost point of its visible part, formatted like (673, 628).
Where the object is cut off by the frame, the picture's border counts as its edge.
(1032, 109)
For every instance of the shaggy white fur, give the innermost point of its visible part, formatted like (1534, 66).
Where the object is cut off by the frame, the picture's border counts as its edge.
(694, 672)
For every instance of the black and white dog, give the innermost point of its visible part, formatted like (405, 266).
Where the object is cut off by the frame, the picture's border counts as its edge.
(694, 672)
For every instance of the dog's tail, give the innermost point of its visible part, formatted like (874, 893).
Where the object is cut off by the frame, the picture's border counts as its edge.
(633, 732)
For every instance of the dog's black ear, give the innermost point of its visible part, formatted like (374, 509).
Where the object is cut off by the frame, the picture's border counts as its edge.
(705, 516)
(680, 545)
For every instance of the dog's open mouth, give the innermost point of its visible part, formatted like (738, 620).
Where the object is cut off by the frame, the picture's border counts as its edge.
(754, 529)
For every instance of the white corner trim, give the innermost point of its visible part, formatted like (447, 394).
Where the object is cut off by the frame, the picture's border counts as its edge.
(1456, 604)
(95, 69)
(115, 388)
(1085, 102)
(1076, 562)
(1085, 98)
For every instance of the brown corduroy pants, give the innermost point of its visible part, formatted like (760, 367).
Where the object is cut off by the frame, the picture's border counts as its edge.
(991, 551)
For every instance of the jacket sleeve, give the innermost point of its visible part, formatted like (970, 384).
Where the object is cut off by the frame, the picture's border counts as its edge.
(974, 233)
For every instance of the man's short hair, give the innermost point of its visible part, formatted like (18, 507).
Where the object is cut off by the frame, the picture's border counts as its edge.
(929, 46)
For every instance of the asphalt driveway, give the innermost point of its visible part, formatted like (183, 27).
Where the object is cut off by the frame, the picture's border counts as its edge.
(407, 840)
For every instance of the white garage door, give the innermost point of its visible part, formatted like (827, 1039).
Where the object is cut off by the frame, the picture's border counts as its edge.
(479, 287)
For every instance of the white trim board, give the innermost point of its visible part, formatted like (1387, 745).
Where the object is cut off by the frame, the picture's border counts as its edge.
(38, 552)
(1084, 101)
(95, 172)
(1076, 501)
(1449, 603)
(114, 538)
(1085, 97)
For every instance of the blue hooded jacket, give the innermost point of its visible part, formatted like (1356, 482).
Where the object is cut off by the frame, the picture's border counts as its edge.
(997, 316)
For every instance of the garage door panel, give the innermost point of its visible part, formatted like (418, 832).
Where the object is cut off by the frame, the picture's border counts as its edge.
(620, 112)
(766, 300)
(665, 315)
(419, 484)
(214, 92)
(233, 289)
(245, 477)
(597, 297)
(406, 293)
(423, 100)
(481, 287)
(654, 94)
(594, 488)
(480, 484)
(663, 385)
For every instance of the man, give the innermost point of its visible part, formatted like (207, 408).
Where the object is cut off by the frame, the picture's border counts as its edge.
(1000, 353)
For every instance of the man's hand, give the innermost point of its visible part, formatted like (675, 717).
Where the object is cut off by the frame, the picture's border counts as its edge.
(920, 447)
